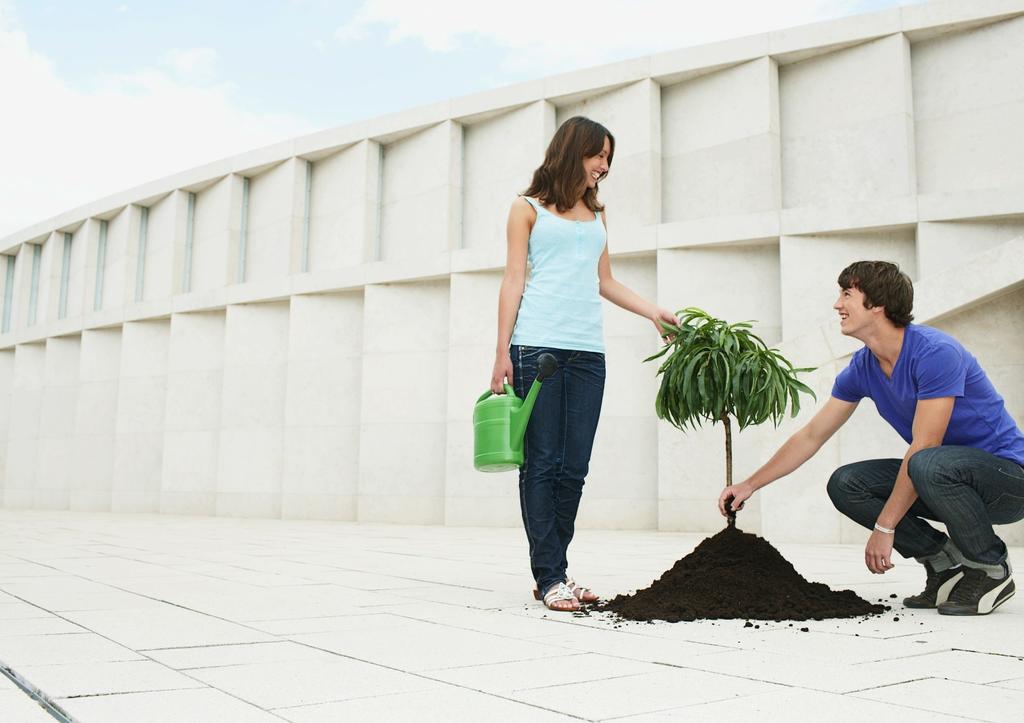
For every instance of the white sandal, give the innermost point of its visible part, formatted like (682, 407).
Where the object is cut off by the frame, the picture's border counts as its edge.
(583, 594)
(561, 593)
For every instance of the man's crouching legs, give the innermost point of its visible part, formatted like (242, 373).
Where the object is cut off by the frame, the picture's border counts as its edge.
(969, 489)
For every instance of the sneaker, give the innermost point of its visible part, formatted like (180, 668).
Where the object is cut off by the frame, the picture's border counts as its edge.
(936, 588)
(978, 594)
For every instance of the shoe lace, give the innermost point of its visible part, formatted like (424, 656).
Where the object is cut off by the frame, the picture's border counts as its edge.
(969, 587)
(932, 582)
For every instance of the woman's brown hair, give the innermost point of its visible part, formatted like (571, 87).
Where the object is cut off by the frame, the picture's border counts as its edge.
(561, 178)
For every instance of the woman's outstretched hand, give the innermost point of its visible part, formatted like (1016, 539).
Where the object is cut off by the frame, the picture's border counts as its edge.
(664, 316)
(502, 371)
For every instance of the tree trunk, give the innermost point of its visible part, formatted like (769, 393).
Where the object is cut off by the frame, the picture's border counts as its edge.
(728, 463)
(728, 450)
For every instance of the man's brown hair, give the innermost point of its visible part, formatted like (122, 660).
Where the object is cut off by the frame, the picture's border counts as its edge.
(883, 284)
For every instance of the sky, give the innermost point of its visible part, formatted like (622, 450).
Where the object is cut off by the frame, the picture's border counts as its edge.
(97, 97)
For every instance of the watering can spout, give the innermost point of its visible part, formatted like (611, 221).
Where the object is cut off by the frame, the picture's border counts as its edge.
(546, 366)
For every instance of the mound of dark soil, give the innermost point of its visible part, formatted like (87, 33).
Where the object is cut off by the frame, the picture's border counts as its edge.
(737, 575)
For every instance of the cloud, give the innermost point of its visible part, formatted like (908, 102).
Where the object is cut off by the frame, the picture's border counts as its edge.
(542, 37)
(197, 64)
(63, 147)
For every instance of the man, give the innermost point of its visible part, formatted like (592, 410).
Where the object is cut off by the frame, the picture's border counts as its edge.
(963, 466)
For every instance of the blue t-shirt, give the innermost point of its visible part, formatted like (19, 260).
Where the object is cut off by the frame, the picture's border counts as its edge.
(933, 364)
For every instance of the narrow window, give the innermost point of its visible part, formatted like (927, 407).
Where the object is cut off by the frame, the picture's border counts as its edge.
(101, 263)
(243, 234)
(190, 229)
(8, 294)
(377, 242)
(305, 216)
(33, 294)
(65, 277)
(140, 266)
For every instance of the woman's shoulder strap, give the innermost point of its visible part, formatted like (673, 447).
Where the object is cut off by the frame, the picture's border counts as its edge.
(533, 202)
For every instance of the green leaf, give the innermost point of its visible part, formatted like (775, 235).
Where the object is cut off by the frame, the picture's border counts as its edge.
(712, 368)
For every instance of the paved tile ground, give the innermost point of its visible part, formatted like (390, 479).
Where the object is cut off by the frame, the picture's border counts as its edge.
(159, 618)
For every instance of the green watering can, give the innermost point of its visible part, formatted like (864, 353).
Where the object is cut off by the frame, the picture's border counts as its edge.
(499, 422)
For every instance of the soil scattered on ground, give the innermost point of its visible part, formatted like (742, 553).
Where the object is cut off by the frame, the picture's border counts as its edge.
(737, 575)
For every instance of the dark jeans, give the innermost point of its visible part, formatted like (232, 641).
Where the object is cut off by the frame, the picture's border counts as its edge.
(559, 439)
(967, 489)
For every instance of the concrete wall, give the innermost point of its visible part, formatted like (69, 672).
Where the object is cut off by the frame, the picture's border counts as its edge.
(139, 425)
(55, 459)
(320, 477)
(6, 384)
(192, 413)
(116, 273)
(342, 214)
(95, 416)
(251, 447)
(403, 403)
(26, 404)
(312, 347)
(213, 221)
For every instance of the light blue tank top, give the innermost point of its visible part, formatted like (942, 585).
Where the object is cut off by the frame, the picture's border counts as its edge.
(561, 305)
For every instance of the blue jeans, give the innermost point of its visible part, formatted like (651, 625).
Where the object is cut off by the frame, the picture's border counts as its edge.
(559, 439)
(965, 488)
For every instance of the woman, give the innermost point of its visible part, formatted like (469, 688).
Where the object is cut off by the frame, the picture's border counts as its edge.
(560, 227)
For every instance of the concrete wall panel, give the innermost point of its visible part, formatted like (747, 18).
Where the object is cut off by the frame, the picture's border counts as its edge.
(942, 246)
(49, 278)
(139, 434)
(500, 155)
(968, 109)
(82, 242)
(55, 463)
(422, 177)
(720, 143)
(846, 125)
(339, 222)
(250, 456)
(402, 445)
(731, 282)
(96, 420)
(21, 291)
(322, 407)
(213, 220)
(117, 277)
(275, 220)
(6, 383)
(192, 413)
(164, 240)
(23, 430)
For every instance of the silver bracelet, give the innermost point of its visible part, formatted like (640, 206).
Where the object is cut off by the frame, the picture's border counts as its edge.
(886, 530)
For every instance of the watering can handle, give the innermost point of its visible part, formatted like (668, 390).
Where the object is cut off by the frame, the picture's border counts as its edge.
(508, 390)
